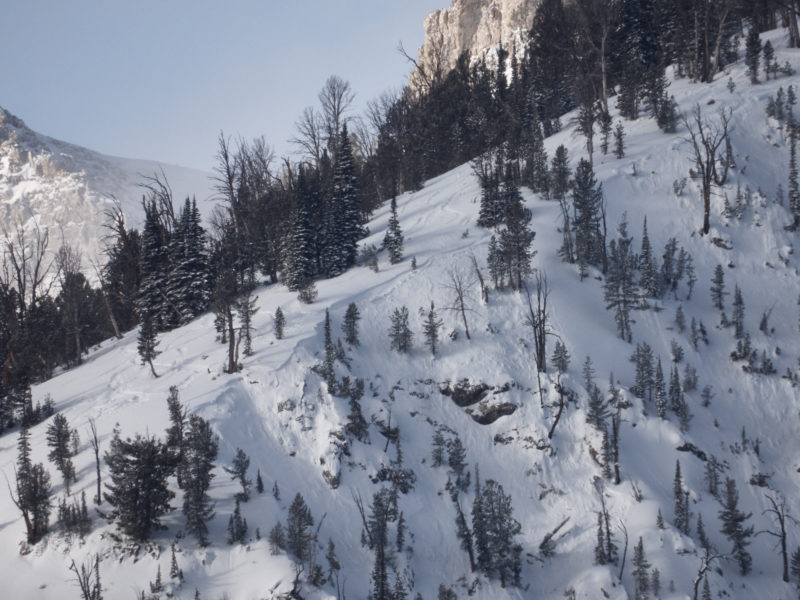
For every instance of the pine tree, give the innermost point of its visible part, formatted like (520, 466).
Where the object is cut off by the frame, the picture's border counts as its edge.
(600, 557)
(350, 324)
(641, 573)
(431, 329)
(400, 334)
(238, 472)
(649, 278)
(189, 283)
(237, 525)
(587, 200)
(794, 184)
(457, 461)
(733, 526)
(147, 342)
(752, 54)
(138, 491)
(357, 425)
(620, 290)
(259, 482)
(500, 556)
(737, 314)
(277, 539)
(278, 323)
(298, 535)
(660, 391)
(718, 292)
(200, 451)
(619, 141)
(58, 439)
(327, 369)
(681, 518)
(246, 309)
(769, 55)
(393, 239)
(701, 533)
(300, 260)
(32, 490)
(154, 269)
(560, 174)
(560, 358)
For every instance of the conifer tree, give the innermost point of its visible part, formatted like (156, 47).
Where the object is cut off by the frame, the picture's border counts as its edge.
(138, 491)
(154, 269)
(327, 369)
(660, 391)
(587, 201)
(641, 572)
(300, 259)
(718, 292)
(32, 490)
(237, 525)
(737, 314)
(516, 238)
(278, 323)
(147, 342)
(58, 439)
(298, 535)
(500, 555)
(681, 518)
(649, 278)
(189, 283)
(238, 472)
(560, 174)
(620, 290)
(350, 324)
(733, 527)
(200, 452)
(393, 239)
(560, 358)
(619, 141)
(431, 329)
(400, 334)
(752, 54)
(246, 309)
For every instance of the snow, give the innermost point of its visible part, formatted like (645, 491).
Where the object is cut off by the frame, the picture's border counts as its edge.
(278, 411)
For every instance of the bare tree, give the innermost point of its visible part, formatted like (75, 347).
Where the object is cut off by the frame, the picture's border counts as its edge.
(712, 153)
(705, 567)
(98, 499)
(309, 138)
(27, 264)
(459, 285)
(68, 260)
(536, 319)
(88, 578)
(597, 19)
(778, 512)
(335, 98)
(476, 268)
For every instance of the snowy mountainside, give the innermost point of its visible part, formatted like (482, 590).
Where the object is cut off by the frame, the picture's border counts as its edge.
(278, 410)
(66, 188)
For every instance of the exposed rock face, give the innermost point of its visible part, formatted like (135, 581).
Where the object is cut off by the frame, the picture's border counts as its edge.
(65, 189)
(478, 26)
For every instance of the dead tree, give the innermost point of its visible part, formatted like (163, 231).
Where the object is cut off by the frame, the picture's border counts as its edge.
(96, 448)
(778, 511)
(536, 319)
(705, 567)
(479, 275)
(461, 301)
(712, 153)
(88, 578)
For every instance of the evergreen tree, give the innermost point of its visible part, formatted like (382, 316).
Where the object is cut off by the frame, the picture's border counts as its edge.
(620, 290)
(794, 183)
(400, 334)
(154, 269)
(431, 329)
(393, 239)
(733, 526)
(769, 56)
(238, 472)
(138, 491)
(619, 141)
(357, 425)
(259, 482)
(649, 278)
(147, 342)
(560, 174)
(300, 259)
(500, 556)
(737, 315)
(200, 452)
(298, 535)
(660, 392)
(382, 511)
(600, 557)
(752, 53)
(246, 309)
(681, 509)
(560, 358)
(32, 490)
(237, 525)
(641, 573)
(517, 237)
(718, 292)
(457, 461)
(587, 201)
(58, 439)
(350, 324)
(278, 322)
(327, 369)
(189, 282)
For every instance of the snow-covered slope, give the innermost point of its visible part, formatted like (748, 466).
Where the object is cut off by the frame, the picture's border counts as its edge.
(67, 188)
(278, 411)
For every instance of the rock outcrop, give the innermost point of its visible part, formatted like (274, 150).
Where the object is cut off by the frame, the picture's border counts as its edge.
(478, 26)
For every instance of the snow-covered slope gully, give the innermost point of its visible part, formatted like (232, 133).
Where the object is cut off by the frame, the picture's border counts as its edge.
(67, 189)
(278, 411)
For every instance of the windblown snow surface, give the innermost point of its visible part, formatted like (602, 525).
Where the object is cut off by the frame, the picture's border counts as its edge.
(279, 412)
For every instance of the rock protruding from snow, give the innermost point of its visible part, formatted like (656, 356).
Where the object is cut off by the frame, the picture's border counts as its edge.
(478, 26)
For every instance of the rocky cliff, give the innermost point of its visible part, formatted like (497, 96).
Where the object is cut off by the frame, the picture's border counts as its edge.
(478, 26)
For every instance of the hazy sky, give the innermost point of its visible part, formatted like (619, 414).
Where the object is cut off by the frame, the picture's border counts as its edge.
(158, 79)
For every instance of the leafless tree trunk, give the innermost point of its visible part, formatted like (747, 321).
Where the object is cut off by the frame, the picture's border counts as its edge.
(88, 578)
(705, 567)
(479, 275)
(778, 511)
(708, 139)
(309, 135)
(460, 287)
(537, 320)
(624, 547)
(98, 499)
(335, 98)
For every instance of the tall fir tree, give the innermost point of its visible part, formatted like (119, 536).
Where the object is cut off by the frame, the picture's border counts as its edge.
(733, 526)
(587, 200)
(201, 447)
(393, 239)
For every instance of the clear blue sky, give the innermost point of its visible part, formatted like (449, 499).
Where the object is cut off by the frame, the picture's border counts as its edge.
(158, 79)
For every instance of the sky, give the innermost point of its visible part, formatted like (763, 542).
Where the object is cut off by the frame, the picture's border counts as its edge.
(159, 79)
